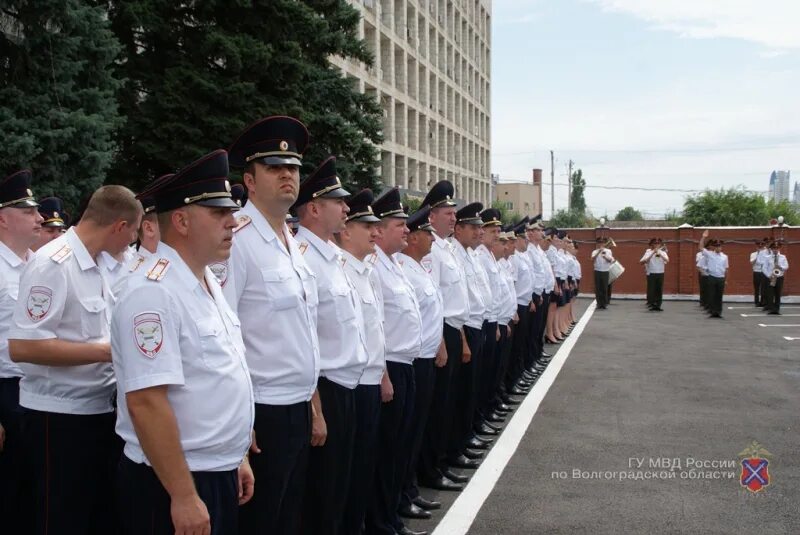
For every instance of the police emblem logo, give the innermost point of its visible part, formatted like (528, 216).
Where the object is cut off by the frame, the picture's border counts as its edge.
(220, 271)
(284, 145)
(427, 264)
(755, 468)
(40, 299)
(227, 186)
(148, 333)
(29, 192)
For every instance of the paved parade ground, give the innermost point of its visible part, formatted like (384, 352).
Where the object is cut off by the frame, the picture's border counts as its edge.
(644, 428)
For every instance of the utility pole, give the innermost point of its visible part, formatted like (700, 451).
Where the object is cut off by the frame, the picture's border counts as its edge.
(552, 186)
(569, 187)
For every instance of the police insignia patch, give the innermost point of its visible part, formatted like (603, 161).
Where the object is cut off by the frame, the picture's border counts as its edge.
(220, 271)
(148, 333)
(136, 264)
(159, 270)
(241, 222)
(40, 299)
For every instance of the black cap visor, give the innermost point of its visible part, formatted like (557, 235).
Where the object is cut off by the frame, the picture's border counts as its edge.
(24, 203)
(280, 160)
(219, 202)
(337, 193)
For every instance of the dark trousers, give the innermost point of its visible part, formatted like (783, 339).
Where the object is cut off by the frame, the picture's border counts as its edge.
(773, 297)
(11, 459)
(442, 413)
(488, 369)
(144, 504)
(503, 356)
(545, 313)
(466, 394)
(602, 290)
(71, 461)
(519, 347)
(535, 338)
(703, 283)
(329, 468)
(655, 289)
(764, 289)
(716, 289)
(283, 433)
(424, 378)
(365, 457)
(758, 297)
(393, 452)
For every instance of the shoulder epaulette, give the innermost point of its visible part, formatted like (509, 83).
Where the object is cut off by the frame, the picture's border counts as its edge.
(159, 270)
(372, 258)
(241, 222)
(137, 263)
(62, 254)
(303, 247)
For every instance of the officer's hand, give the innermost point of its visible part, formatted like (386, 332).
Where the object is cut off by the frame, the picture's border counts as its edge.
(515, 319)
(319, 430)
(104, 352)
(2, 437)
(387, 389)
(441, 357)
(497, 335)
(253, 444)
(466, 354)
(705, 233)
(532, 308)
(247, 482)
(190, 516)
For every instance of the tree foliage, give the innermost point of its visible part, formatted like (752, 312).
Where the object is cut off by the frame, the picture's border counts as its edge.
(506, 216)
(199, 72)
(577, 198)
(629, 213)
(569, 219)
(58, 107)
(735, 207)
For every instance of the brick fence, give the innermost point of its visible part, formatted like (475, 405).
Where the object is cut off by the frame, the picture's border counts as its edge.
(681, 242)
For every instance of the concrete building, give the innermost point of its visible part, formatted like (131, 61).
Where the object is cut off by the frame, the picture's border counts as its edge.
(524, 198)
(432, 78)
(796, 197)
(779, 185)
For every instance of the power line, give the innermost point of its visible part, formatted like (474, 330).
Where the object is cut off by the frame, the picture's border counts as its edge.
(660, 151)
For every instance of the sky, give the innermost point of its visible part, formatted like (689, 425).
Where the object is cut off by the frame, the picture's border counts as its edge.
(661, 94)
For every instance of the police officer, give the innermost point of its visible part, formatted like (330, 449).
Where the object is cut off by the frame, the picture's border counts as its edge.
(603, 259)
(55, 221)
(755, 263)
(20, 230)
(185, 398)
(357, 242)
(60, 331)
(451, 282)
(655, 259)
(716, 265)
(269, 283)
(526, 307)
(507, 318)
(432, 353)
(323, 212)
(773, 268)
(544, 281)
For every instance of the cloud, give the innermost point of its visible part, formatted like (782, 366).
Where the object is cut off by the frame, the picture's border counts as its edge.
(771, 23)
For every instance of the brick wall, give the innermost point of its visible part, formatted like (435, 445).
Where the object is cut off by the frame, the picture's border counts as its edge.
(681, 275)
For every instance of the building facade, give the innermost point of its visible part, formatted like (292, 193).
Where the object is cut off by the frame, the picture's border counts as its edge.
(431, 75)
(796, 197)
(779, 185)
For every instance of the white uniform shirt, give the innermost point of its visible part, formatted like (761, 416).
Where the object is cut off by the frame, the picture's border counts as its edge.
(365, 281)
(654, 264)
(11, 267)
(64, 294)
(171, 332)
(756, 258)
(578, 269)
(492, 270)
(431, 310)
(475, 291)
(343, 354)
(507, 292)
(768, 264)
(537, 268)
(523, 284)
(700, 262)
(449, 276)
(547, 269)
(602, 259)
(400, 310)
(114, 270)
(274, 292)
(715, 263)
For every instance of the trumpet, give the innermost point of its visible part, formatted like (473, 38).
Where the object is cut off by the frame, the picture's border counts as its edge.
(660, 250)
(610, 242)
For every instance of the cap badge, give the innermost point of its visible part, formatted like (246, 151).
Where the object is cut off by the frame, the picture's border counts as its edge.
(227, 186)
(55, 215)
(284, 145)
(29, 192)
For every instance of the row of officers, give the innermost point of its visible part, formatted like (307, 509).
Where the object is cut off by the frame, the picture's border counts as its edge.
(227, 375)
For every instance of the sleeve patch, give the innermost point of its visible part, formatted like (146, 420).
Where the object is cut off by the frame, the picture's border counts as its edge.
(40, 299)
(148, 333)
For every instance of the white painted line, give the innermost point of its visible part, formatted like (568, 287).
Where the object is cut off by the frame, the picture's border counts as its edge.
(790, 338)
(462, 513)
(765, 314)
(752, 307)
(778, 325)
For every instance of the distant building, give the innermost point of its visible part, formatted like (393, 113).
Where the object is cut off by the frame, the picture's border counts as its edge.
(796, 198)
(524, 198)
(779, 185)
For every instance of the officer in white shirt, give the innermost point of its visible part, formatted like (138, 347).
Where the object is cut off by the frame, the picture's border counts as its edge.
(432, 354)
(357, 242)
(450, 279)
(702, 276)
(507, 318)
(603, 258)
(760, 283)
(526, 308)
(60, 332)
(343, 352)
(716, 265)
(773, 268)
(543, 287)
(268, 282)
(403, 344)
(654, 260)
(55, 221)
(20, 230)
(185, 398)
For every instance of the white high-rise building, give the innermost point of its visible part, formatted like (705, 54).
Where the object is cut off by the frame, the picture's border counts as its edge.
(431, 76)
(796, 198)
(779, 185)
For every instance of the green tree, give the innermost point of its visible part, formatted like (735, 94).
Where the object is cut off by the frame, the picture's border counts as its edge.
(199, 72)
(577, 199)
(58, 107)
(569, 219)
(506, 216)
(735, 207)
(629, 213)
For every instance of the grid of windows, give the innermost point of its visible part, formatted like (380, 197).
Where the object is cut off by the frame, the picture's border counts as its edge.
(431, 77)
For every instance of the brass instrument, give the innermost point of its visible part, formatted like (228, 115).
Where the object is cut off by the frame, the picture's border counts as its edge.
(661, 249)
(776, 272)
(610, 242)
